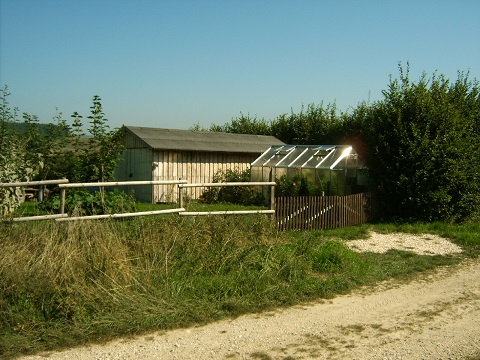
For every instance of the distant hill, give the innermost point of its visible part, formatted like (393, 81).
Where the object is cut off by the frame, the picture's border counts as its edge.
(21, 127)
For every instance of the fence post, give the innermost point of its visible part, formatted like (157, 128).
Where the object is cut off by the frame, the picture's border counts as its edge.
(180, 195)
(62, 200)
(272, 193)
(272, 197)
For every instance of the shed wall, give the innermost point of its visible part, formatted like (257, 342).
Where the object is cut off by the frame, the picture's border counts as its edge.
(195, 167)
(136, 165)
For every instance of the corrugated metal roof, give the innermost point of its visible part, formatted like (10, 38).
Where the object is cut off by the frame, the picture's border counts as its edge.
(187, 140)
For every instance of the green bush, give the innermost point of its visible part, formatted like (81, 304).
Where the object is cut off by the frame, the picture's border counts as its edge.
(241, 195)
(421, 146)
(296, 185)
(83, 202)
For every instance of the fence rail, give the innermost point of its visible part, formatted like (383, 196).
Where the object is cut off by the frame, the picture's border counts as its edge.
(323, 212)
(34, 183)
(291, 213)
(63, 185)
(121, 183)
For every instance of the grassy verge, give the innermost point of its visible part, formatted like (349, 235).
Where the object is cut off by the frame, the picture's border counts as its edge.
(64, 284)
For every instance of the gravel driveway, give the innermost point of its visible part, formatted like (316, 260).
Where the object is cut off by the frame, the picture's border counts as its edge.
(436, 316)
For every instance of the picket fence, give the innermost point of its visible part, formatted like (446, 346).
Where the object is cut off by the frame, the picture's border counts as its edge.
(323, 212)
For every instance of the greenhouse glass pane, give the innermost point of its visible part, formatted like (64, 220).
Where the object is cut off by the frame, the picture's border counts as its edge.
(256, 173)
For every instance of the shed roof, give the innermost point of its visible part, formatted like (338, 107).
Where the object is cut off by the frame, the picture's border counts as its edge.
(188, 140)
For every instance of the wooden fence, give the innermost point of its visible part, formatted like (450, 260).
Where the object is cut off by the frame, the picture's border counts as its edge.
(323, 212)
(271, 184)
(63, 184)
(290, 213)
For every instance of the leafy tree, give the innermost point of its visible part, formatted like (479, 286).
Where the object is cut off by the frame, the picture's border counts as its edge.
(91, 156)
(245, 125)
(421, 146)
(105, 145)
(317, 124)
(34, 151)
(45, 145)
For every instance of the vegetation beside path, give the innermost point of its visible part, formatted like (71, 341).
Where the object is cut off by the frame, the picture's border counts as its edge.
(65, 284)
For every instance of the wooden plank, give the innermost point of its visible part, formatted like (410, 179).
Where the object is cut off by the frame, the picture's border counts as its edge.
(122, 183)
(321, 212)
(37, 217)
(116, 216)
(34, 183)
(228, 212)
(258, 183)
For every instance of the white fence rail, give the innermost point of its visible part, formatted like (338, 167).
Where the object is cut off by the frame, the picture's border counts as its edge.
(64, 184)
(34, 184)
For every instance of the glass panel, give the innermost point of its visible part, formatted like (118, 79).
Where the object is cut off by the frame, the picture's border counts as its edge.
(256, 173)
(333, 169)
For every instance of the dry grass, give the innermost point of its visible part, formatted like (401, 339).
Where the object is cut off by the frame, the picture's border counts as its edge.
(69, 283)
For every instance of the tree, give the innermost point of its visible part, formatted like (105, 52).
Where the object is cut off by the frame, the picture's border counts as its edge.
(105, 145)
(244, 125)
(93, 156)
(46, 145)
(317, 124)
(421, 146)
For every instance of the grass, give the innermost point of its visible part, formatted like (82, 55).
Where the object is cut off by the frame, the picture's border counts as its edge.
(64, 284)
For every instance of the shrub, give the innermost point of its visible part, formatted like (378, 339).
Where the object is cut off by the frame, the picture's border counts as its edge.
(421, 147)
(83, 202)
(296, 185)
(242, 195)
(15, 162)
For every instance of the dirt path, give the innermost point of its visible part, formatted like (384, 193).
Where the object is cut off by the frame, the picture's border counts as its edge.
(434, 317)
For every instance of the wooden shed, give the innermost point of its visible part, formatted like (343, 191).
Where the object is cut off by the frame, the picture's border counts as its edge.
(196, 156)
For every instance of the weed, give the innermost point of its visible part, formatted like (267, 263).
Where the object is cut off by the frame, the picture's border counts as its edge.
(71, 283)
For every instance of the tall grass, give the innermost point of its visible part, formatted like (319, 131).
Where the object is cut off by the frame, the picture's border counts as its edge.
(69, 283)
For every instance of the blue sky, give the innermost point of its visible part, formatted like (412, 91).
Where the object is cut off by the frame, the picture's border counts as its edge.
(174, 64)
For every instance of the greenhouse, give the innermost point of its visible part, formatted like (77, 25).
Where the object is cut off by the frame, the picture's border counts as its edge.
(330, 169)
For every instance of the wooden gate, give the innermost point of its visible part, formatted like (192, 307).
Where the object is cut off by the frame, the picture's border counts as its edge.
(323, 212)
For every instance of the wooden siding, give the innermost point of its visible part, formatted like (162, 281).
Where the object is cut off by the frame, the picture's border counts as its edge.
(134, 142)
(323, 212)
(195, 167)
(136, 165)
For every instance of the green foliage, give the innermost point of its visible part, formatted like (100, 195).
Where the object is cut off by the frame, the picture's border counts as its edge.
(332, 256)
(46, 142)
(93, 157)
(422, 147)
(296, 185)
(83, 202)
(318, 124)
(105, 145)
(16, 164)
(242, 195)
(34, 151)
(420, 144)
(88, 281)
(244, 125)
